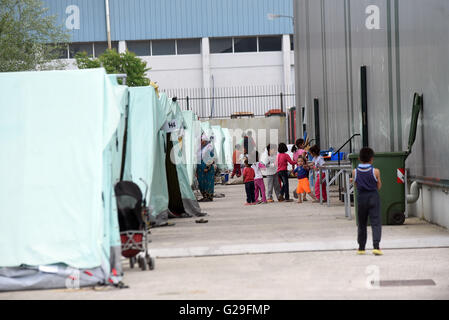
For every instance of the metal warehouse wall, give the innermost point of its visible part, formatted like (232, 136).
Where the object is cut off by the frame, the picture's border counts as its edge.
(170, 19)
(92, 18)
(408, 53)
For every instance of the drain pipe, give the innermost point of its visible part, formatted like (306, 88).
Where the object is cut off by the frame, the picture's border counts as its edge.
(414, 193)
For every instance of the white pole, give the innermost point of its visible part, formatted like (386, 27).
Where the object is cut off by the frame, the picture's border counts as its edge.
(108, 24)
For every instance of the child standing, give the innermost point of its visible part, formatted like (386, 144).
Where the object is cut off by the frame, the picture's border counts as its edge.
(236, 161)
(298, 151)
(248, 179)
(269, 160)
(258, 180)
(283, 159)
(303, 180)
(368, 183)
(318, 162)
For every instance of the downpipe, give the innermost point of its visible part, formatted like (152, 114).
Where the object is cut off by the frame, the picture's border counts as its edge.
(413, 196)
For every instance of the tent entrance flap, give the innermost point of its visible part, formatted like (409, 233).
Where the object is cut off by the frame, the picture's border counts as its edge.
(175, 199)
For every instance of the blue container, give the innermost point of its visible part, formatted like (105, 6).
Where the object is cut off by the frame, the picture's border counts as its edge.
(334, 156)
(225, 177)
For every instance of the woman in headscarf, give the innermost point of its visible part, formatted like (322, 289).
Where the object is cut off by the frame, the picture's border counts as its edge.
(205, 170)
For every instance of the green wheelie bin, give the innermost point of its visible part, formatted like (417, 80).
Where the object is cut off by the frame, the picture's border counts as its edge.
(391, 166)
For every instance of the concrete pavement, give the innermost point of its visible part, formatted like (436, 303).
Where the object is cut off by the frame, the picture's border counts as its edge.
(278, 251)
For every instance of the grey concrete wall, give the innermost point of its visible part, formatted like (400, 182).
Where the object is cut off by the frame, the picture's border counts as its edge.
(432, 206)
(265, 130)
(408, 53)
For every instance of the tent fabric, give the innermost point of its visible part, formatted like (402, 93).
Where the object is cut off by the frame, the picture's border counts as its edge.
(33, 278)
(145, 154)
(112, 156)
(56, 130)
(175, 206)
(207, 129)
(219, 139)
(191, 143)
(228, 149)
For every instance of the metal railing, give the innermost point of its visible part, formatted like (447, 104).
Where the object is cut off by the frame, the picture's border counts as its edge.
(213, 103)
(338, 171)
(344, 145)
(339, 160)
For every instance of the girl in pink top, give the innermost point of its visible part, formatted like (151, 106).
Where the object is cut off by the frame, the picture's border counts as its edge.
(298, 150)
(282, 161)
(258, 180)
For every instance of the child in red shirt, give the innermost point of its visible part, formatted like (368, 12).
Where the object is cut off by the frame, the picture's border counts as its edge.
(283, 159)
(248, 178)
(236, 161)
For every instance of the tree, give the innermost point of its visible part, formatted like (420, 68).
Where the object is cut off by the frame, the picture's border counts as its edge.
(115, 63)
(30, 39)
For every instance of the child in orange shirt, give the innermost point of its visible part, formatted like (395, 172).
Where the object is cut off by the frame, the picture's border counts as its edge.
(303, 179)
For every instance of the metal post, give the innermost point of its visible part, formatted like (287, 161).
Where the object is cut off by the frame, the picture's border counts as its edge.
(321, 187)
(316, 104)
(327, 187)
(188, 105)
(348, 196)
(282, 101)
(364, 104)
(125, 141)
(281, 95)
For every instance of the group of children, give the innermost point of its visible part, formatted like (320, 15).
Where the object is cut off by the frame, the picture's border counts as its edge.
(274, 166)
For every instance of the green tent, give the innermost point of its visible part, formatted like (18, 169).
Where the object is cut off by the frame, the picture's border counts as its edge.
(228, 149)
(145, 154)
(206, 129)
(182, 199)
(58, 216)
(219, 139)
(191, 143)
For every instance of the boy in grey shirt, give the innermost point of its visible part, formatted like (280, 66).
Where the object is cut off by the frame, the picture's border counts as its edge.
(269, 160)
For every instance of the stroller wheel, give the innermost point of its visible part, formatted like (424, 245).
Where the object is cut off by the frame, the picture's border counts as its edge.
(132, 262)
(143, 264)
(139, 262)
(151, 263)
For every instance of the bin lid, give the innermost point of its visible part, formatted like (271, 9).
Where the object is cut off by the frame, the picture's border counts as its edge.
(417, 107)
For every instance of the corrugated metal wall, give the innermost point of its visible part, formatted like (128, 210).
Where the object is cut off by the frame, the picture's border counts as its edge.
(175, 19)
(409, 53)
(92, 18)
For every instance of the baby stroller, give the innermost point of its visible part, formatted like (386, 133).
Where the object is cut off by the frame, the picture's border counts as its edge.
(133, 216)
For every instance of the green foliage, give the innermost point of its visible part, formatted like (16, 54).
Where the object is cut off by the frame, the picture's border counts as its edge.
(29, 39)
(85, 62)
(115, 63)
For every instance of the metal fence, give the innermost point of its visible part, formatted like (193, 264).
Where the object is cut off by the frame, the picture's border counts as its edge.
(225, 102)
